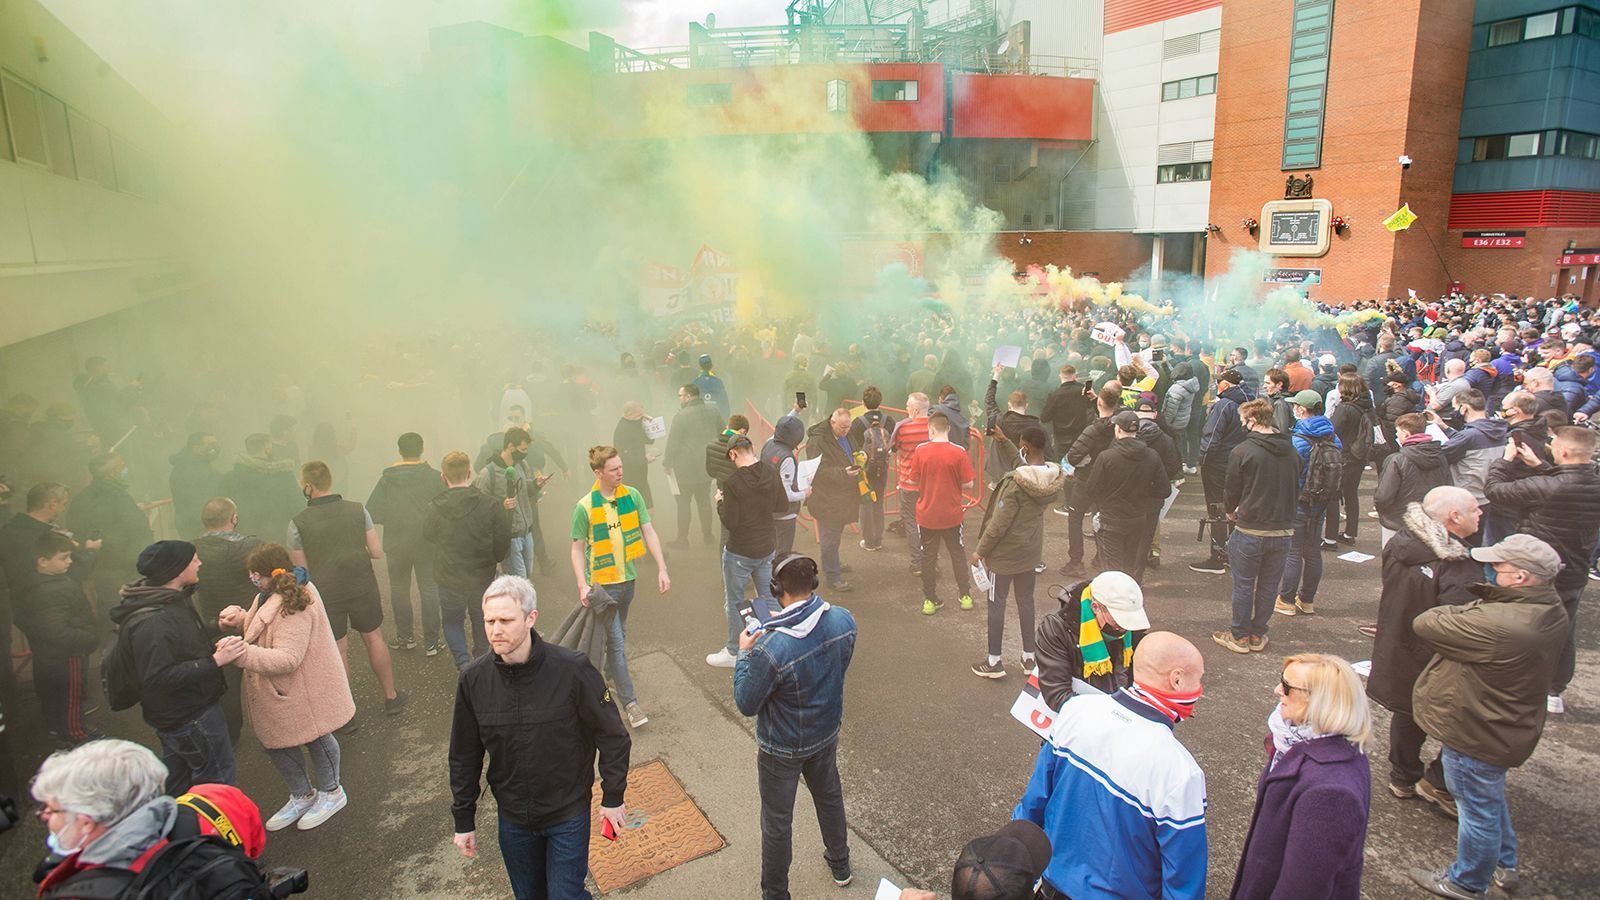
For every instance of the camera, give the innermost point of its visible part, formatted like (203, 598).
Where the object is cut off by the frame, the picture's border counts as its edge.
(1404, 161)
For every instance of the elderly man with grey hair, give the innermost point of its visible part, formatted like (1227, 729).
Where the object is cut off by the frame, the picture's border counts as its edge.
(541, 767)
(103, 807)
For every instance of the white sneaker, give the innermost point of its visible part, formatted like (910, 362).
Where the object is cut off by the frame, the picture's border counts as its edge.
(291, 812)
(722, 659)
(1554, 704)
(327, 804)
(636, 716)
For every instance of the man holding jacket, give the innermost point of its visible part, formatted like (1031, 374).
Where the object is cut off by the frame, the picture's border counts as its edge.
(1259, 497)
(541, 767)
(470, 533)
(1482, 695)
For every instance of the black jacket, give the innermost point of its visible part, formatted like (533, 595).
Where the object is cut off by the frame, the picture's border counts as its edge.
(399, 501)
(1160, 437)
(1092, 441)
(1067, 411)
(266, 494)
(1059, 658)
(693, 425)
(1129, 481)
(628, 437)
(106, 508)
(194, 481)
(1407, 477)
(540, 723)
(718, 465)
(224, 582)
(751, 496)
(1348, 418)
(171, 652)
(17, 537)
(56, 617)
(470, 533)
(1559, 505)
(1263, 483)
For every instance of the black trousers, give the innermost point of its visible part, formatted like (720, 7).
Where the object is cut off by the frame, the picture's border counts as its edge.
(1350, 498)
(951, 539)
(1213, 478)
(1074, 521)
(1569, 586)
(777, 780)
(699, 495)
(1405, 754)
(1124, 543)
(62, 684)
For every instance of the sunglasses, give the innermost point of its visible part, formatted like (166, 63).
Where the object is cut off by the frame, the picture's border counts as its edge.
(1287, 687)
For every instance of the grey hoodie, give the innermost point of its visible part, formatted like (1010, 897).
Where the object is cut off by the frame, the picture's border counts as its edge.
(132, 835)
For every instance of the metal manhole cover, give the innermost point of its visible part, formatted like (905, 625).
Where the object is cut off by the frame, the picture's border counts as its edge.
(665, 829)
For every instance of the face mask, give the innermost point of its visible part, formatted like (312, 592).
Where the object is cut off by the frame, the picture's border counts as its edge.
(1113, 632)
(56, 847)
(211, 453)
(518, 455)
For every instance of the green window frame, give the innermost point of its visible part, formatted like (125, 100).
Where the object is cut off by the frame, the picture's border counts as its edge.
(1306, 101)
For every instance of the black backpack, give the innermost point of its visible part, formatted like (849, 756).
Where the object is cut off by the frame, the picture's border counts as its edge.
(119, 678)
(200, 867)
(1324, 472)
(875, 444)
(1362, 446)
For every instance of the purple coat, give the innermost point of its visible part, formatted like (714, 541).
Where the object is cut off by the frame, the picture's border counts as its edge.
(1309, 826)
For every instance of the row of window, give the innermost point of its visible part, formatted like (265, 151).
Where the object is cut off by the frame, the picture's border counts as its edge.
(1189, 44)
(1181, 172)
(1184, 88)
(38, 130)
(1571, 19)
(837, 94)
(1307, 95)
(1537, 143)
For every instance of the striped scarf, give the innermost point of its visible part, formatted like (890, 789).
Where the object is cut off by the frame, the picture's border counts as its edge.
(863, 487)
(609, 524)
(1092, 644)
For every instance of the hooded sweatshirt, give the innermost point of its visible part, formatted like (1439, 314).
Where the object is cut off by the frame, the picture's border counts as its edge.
(751, 496)
(1263, 484)
(171, 653)
(779, 453)
(1407, 477)
(470, 532)
(1471, 449)
(1223, 430)
(1011, 538)
(1129, 480)
(951, 407)
(399, 500)
(265, 492)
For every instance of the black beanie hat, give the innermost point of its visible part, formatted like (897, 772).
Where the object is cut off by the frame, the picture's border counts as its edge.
(165, 560)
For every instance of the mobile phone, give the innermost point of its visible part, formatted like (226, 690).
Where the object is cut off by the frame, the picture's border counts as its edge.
(607, 830)
(751, 623)
(799, 399)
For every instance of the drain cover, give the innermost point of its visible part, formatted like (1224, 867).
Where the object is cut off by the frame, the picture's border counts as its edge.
(665, 829)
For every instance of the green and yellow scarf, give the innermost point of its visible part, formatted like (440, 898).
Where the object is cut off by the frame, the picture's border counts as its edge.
(609, 524)
(1092, 644)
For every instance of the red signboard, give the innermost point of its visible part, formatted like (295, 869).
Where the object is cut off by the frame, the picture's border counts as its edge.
(1493, 239)
(1579, 259)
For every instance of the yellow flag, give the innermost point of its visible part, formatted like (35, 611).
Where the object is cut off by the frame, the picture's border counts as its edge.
(1402, 218)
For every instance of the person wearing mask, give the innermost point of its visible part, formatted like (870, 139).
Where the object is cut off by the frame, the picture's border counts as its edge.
(1407, 476)
(1482, 696)
(194, 480)
(263, 486)
(398, 503)
(509, 477)
(334, 539)
(1309, 826)
(693, 425)
(1353, 420)
(872, 432)
(779, 452)
(1011, 545)
(1121, 799)
(105, 510)
(790, 676)
(1558, 503)
(633, 445)
(56, 618)
(1260, 499)
(942, 471)
(835, 491)
(610, 529)
(294, 687)
(470, 533)
(224, 582)
(745, 503)
(177, 667)
(1095, 438)
(541, 768)
(909, 434)
(1326, 381)
(1129, 485)
(1321, 476)
(1091, 636)
(1400, 400)
(1223, 432)
(1426, 564)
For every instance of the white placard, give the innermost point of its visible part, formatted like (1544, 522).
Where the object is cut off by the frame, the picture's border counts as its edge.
(805, 472)
(981, 579)
(655, 427)
(886, 890)
(1362, 667)
(672, 484)
(1107, 333)
(1007, 355)
(1030, 709)
(1356, 556)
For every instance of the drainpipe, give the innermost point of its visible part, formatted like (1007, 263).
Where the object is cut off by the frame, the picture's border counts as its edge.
(1061, 185)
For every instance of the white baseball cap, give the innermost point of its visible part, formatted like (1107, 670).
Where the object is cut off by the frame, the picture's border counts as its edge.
(1122, 597)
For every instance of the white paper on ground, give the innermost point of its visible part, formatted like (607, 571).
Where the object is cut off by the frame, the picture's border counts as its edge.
(805, 472)
(1356, 556)
(1363, 667)
(655, 427)
(886, 890)
(1007, 355)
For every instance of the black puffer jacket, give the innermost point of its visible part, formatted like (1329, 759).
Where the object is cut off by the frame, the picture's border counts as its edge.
(1407, 477)
(56, 617)
(1560, 505)
(171, 652)
(718, 465)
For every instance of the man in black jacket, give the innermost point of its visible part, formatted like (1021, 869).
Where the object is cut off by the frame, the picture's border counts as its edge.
(263, 487)
(225, 582)
(746, 503)
(193, 481)
(1128, 487)
(541, 768)
(106, 511)
(399, 501)
(177, 667)
(694, 424)
(1560, 505)
(1096, 436)
(470, 533)
(1259, 497)
(55, 615)
(1406, 476)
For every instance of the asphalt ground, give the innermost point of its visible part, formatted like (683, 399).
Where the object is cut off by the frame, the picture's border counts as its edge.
(929, 754)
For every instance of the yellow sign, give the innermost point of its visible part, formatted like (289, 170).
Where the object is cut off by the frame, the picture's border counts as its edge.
(1402, 218)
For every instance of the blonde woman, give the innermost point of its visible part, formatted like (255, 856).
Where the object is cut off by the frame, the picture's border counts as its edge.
(295, 688)
(1310, 821)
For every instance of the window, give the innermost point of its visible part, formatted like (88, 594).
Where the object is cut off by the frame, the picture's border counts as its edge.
(1573, 143)
(838, 96)
(1522, 145)
(54, 114)
(709, 94)
(91, 148)
(1185, 88)
(895, 91)
(1502, 33)
(1310, 42)
(1002, 174)
(1581, 19)
(22, 111)
(1505, 146)
(1179, 172)
(1541, 25)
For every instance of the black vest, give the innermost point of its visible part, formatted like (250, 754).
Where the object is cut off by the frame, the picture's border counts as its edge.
(333, 536)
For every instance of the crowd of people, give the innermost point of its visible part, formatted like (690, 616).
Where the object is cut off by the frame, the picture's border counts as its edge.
(1471, 413)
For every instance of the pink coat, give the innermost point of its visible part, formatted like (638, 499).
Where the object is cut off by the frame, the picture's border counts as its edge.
(295, 688)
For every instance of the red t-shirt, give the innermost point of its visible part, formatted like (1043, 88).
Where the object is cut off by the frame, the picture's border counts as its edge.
(909, 434)
(939, 469)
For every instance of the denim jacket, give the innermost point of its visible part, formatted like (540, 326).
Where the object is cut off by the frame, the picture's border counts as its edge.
(792, 680)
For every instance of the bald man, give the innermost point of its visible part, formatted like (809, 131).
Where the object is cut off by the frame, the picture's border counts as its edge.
(1107, 749)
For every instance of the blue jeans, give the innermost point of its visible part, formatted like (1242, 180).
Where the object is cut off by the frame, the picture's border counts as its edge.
(548, 862)
(1257, 567)
(198, 751)
(829, 537)
(783, 535)
(1302, 569)
(737, 571)
(454, 608)
(1484, 836)
(520, 557)
(616, 667)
